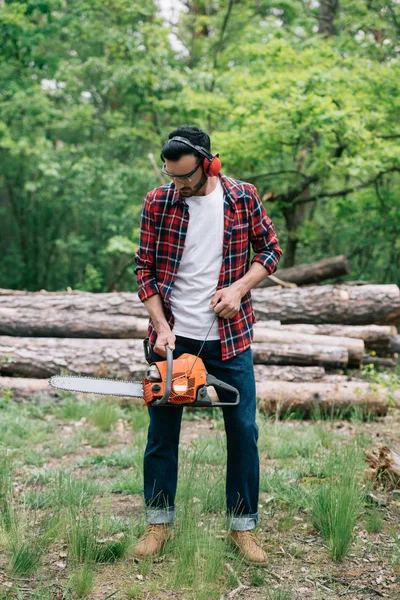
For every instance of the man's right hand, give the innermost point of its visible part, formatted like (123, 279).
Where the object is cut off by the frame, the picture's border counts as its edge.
(164, 338)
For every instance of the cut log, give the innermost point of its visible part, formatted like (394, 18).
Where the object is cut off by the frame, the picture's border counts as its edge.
(115, 303)
(311, 273)
(274, 396)
(298, 354)
(373, 335)
(390, 363)
(354, 347)
(43, 357)
(384, 467)
(353, 305)
(329, 304)
(69, 323)
(22, 387)
(395, 343)
(288, 373)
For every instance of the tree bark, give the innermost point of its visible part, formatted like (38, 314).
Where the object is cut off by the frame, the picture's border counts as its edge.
(288, 373)
(70, 323)
(311, 273)
(326, 16)
(305, 397)
(124, 359)
(349, 305)
(354, 347)
(44, 357)
(330, 304)
(395, 343)
(299, 354)
(389, 363)
(372, 335)
(23, 388)
(112, 303)
(384, 467)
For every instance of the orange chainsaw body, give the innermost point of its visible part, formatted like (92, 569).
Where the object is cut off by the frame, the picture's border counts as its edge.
(188, 375)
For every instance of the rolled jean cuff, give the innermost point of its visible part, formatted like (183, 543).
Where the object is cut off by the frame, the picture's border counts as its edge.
(157, 516)
(242, 523)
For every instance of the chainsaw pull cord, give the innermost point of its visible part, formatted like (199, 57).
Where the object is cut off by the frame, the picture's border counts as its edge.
(202, 345)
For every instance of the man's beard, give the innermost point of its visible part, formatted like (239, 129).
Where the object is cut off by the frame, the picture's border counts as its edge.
(193, 191)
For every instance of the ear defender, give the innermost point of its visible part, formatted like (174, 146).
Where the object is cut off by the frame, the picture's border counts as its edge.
(212, 167)
(211, 164)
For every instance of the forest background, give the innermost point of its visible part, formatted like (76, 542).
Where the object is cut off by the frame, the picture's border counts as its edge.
(300, 97)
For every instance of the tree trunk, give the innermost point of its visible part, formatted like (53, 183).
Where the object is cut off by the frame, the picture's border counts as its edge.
(311, 273)
(372, 335)
(124, 359)
(326, 16)
(395, 343)
(113, 303)
(352, 305)
(354, 347)
(44, 357)
(70, 323)
(389, 363)
(281, 397)
(330, 304)
(300, 354)
(22, 387)
(288, 373)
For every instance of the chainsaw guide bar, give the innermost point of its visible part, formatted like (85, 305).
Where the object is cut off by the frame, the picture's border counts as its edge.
(179, 382)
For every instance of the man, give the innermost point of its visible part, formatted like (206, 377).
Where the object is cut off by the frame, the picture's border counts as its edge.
(194, 280)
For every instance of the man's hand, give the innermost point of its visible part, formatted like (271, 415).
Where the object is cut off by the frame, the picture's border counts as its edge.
(163, 338)
(226, 302)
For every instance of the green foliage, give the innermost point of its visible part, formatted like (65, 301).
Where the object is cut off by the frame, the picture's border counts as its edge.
(88, 90)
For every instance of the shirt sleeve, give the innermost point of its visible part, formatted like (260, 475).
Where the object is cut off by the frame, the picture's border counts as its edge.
(145, 257)
(262, 235)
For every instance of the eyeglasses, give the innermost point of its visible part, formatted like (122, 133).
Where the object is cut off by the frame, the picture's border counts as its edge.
(181, 178)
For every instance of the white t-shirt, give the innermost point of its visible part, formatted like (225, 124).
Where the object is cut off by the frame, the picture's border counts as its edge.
(200, 266)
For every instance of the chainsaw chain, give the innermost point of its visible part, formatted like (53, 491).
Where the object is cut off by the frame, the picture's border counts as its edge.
(91, 378)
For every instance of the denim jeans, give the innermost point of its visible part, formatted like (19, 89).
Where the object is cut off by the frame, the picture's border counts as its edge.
(242, 470)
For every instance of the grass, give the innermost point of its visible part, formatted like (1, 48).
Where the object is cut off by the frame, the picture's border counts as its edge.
(373, 521)
(57, 500)
(24, 558)
(337, 503)
(81, 581)
(64, 490)
(91, 538)
(104, 415)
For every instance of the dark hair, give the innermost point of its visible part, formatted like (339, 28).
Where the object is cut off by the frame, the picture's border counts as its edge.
(174, 150)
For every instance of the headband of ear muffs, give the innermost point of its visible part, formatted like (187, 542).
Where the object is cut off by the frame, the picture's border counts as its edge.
(211, 165)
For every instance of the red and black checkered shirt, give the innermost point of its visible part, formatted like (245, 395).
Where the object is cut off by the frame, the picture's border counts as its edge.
(163, 226)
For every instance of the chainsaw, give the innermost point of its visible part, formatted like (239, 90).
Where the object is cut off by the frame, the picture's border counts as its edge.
(175, 382)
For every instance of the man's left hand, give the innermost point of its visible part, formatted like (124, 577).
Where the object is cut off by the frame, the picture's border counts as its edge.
(226, 302)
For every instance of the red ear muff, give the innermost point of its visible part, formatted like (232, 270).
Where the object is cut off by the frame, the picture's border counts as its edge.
(212, 167)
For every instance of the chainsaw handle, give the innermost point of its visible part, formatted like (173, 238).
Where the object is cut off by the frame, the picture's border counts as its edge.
(168, 382)
(218, 384)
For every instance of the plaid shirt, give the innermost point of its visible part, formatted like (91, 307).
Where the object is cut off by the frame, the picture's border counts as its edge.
(163, 226)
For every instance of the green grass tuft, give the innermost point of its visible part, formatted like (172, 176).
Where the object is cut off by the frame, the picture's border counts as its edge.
(104, 415)
(337, 503)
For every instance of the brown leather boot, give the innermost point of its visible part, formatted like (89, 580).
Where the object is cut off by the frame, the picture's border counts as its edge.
(153, 540)
(248, 546)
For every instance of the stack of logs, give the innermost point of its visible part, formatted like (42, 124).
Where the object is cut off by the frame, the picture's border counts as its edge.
(304, 338)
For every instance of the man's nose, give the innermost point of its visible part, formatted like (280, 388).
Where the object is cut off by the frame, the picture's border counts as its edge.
(179, 184)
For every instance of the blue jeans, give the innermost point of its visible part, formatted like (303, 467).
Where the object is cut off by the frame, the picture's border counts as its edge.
(242, 472)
